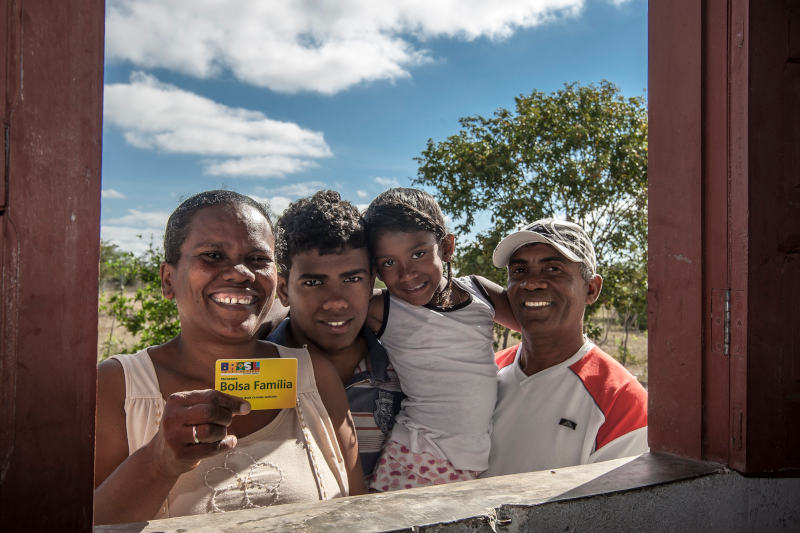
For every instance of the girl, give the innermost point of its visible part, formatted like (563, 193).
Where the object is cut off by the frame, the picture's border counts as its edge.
(437, 331)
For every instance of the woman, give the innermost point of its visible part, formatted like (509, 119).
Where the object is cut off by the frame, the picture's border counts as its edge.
(170, 445)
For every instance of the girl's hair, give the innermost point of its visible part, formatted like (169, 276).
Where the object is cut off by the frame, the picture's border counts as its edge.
(405, 209)
(180, 219)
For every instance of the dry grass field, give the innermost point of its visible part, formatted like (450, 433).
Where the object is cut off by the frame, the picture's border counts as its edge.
(112, 339)
(611, 342)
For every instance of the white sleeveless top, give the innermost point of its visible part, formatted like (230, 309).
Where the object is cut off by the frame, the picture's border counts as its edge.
(445, 361)
(296, 457)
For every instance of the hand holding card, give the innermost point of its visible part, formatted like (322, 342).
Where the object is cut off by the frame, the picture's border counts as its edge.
(265, 383)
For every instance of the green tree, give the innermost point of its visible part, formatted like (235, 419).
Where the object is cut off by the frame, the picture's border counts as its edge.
(629, 299)
(579, 153)
(147, 314)
(117, 267)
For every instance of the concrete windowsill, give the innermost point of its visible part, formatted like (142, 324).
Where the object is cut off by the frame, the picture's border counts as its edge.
(480, 505)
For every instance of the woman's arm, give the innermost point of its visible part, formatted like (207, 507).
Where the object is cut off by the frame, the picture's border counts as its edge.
(133, 488)
(335, 400)
(127, 489)
(502, 307)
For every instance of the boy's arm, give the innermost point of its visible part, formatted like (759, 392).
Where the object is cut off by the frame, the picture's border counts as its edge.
(335, 400)
(502, 307)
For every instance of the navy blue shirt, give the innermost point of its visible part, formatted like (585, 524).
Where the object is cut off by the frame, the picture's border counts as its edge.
(373, 393)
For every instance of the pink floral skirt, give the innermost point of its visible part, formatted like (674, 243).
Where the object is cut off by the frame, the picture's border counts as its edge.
(400, 468)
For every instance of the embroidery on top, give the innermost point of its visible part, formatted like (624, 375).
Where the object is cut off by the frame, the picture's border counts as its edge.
(242, 483)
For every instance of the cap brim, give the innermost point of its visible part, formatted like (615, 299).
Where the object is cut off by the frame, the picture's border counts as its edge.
(511, 243)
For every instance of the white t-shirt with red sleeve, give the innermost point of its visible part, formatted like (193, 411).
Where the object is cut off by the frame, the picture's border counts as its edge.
(586, 409)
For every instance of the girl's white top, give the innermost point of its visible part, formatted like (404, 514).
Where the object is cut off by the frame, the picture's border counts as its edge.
(445, 362)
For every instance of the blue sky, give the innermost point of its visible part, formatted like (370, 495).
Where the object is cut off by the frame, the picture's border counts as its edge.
(279, 99)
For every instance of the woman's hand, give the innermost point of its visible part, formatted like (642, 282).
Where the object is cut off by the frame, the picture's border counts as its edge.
(131, 488)
(194, 426)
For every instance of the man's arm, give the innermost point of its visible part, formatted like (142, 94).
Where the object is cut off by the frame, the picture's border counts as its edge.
(624, 432)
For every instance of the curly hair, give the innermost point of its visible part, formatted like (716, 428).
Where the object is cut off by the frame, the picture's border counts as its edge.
(179, 221)
(323, 222)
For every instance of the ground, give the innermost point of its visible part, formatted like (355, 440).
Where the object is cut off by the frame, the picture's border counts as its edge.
(112, 337)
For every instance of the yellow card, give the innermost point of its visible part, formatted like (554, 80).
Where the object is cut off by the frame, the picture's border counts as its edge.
(265, 383)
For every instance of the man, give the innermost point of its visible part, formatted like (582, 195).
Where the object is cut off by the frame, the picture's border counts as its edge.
(325, 278)
(561, 400)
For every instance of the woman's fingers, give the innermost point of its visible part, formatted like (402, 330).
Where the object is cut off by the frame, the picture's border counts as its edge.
(206, 407)
(233, 404)
(205, 433)
(196, 452)
(206, 413)
(195, 426)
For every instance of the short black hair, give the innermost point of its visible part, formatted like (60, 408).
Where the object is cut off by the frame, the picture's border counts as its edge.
(180, 219)
(322, 222)
(404, 209)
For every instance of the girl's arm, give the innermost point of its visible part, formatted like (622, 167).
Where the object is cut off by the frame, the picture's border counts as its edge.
(133, 488)
(502, 307)
(334, 398)
(377, 306)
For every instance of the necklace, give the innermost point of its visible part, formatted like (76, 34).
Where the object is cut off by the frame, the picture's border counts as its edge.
(441, 298)
(447, 297)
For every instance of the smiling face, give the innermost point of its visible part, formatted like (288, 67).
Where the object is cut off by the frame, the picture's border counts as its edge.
(548, 295)
(328, 296)
(224, 281)
(411, 263)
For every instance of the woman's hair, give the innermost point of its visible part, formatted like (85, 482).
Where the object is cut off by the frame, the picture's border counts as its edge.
(180, 219)
(404, 209)
(323, 222)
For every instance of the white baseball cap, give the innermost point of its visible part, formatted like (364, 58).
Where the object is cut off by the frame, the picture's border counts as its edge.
(567, 237)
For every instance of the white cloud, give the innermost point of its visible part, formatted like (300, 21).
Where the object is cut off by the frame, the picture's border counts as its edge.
(266, 166)
(324, 46)
(387, 182)
(132, 239)
(277, 204)
(138, 218)
(279, 198)
(361, 194)
(158, 116)
(295, 190)
(111, 193)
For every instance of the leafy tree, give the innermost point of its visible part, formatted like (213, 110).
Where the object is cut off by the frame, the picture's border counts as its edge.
(147, 314)
(629, 299)
(578, 153)
(116, 266)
